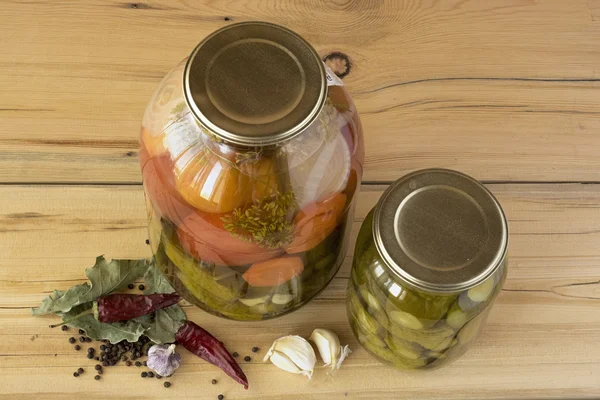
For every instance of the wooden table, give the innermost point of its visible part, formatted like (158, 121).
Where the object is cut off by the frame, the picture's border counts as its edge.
(506, 91)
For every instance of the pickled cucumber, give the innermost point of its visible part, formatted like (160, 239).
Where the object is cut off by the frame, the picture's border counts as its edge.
(425, 308)
(369, 299)
(456, 317)
(431, 339)
(197, 277)
(471, 329)
(405, 319)
(482, 291)
(367, 322)
(402, 348)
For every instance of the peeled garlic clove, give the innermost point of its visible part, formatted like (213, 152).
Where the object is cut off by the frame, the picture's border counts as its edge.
(282, 299)
(329, 347)
(293, 354)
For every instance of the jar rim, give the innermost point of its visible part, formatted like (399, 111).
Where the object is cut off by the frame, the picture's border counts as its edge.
(440, 230)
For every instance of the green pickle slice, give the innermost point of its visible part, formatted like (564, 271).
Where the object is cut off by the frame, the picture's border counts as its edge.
(482, 291)
(431, 339)
(471, 329)
(403, 348)
(456, 317)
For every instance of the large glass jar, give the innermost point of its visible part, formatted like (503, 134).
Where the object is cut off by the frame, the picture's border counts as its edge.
(251, 155)
(429, 261)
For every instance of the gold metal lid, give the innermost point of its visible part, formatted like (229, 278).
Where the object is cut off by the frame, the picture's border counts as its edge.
(255, 83)
(440, 230)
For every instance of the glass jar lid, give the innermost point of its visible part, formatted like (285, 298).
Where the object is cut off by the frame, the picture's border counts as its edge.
(255, 83)
(440, 230)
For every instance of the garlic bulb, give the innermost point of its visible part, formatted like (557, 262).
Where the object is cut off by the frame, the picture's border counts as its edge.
(329, 347)
(163, 360)
(293, 354)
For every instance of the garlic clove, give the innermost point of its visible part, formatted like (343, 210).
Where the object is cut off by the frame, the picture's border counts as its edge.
(293, 350)
(282, 298)
(254, 301)
(282, 361)
(325, 344)
(329, 347)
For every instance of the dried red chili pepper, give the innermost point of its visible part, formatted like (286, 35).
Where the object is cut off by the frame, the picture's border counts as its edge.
(206, 346)
(122, 307)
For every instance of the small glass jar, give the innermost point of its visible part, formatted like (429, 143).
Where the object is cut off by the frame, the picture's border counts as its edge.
(430, 260)
(251, 156)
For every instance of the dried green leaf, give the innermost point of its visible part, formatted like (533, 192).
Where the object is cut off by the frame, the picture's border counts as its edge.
(162, 327)
(105, 277)
(115, 332)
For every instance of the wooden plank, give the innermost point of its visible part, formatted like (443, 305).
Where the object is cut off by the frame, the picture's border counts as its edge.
(512, 83)
(542, 339)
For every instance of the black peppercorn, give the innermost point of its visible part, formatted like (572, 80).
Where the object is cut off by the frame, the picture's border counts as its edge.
(75, 374)
(130, 286)
(102, 347)
(97, 377)
(167, 384)
(81, 339)
(141, 287)
(214, 381)
(255, 349)
(138, 364)
(97, 358)
(105, 363)
(128, 363)
(124, 358)
(81, 332)
(80, 371)
(220, 397)
(91, 350)
(88, 340)
(64, 328)
(158, 376)
(144, 374)
(72, 340)
(98, 367)
(235, 354)
(247, 358)
(99, 372)
(150, 374)
(90, 356)
(145, 363)
(147, 241)
(77, 347)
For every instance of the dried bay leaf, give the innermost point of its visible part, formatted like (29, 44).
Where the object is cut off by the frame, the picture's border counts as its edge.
(105, 277)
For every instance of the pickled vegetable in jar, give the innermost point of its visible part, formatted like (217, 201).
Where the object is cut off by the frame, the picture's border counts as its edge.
(429, 261)
(251, 156)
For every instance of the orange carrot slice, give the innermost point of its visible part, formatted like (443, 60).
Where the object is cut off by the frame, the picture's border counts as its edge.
(315, 222)
(274, 272)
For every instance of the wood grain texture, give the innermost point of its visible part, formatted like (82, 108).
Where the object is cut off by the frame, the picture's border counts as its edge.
(514, 83)
(542, 339)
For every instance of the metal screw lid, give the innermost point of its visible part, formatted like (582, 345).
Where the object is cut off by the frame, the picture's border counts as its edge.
(255, 83)
(440, 230)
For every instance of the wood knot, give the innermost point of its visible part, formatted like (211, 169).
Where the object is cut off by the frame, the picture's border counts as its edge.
(138, 6)
(339, 63)
(130, 153)
(227, 19)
